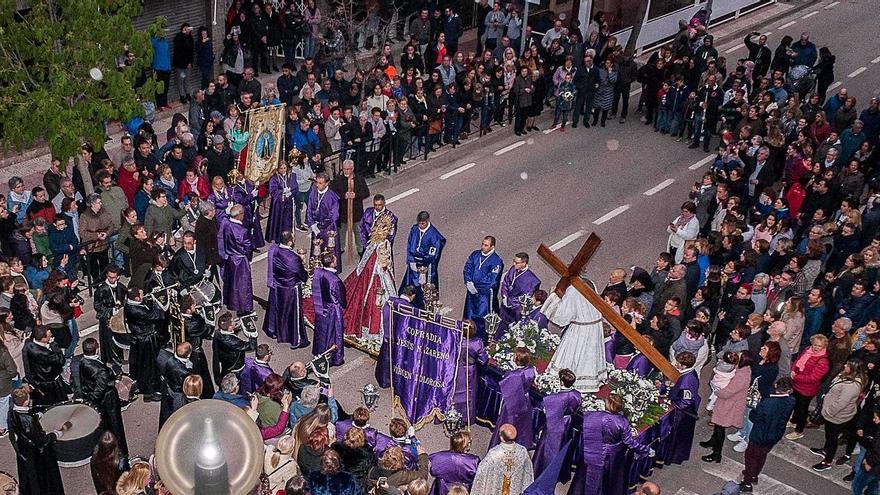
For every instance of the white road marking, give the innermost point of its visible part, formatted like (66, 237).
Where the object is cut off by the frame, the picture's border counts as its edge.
(768, 33)
(682, 491)
(728, 469)
(457, 171)
(811, 14)
(401, 195)
(735, 48)
(567, 240)
(261, 257)
(800, 455)
(787, 24)
(635, 92)
(831, 5)
(834, 85)
(659, 187)
(548, 131)
(351, 365)
(857, 72)
(876, 61)
(87, 331)
(508, 148)
(611, 214)
(702, 162)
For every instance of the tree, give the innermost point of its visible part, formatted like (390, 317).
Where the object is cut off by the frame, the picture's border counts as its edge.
(633, 40)
(360, 21)
(59, 80)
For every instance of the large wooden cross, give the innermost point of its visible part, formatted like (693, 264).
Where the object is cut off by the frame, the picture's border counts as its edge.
(570, 275)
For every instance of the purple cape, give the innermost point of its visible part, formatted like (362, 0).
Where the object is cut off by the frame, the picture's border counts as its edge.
(558, 409)
(245, 194)
(640, 365)
(452, 468)
(369, 219)
(236, 249)
(221, 202)
(517, 406)
(284, 317)
(281, 209)
(485, 273)
(325, 214)
(345, 425)
(514, 285)
(384, 442)
(685, 399)
(545, 483)
(253, 375)
(383, 362)
(464, 397)
(606, 439)
(328, 296)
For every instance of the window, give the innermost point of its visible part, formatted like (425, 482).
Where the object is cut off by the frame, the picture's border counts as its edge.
(660, 8)
(619, 14)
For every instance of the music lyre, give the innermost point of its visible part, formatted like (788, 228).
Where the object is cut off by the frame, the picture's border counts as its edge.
(570, 275)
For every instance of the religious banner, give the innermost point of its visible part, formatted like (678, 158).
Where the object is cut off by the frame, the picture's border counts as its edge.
(265, 137)
(424, 349)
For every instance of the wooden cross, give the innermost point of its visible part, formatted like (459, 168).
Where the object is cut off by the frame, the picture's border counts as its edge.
(570, 275)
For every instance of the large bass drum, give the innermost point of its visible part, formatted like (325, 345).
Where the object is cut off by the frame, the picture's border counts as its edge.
(207, 299)
(74, 448)
(8, 484)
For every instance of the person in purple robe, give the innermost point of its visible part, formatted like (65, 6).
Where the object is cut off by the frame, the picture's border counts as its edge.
(482, 276)
(456, 466)
(684, 398)
(322, 216)
(328, 296)
(518, 281)
(640, 364)
(286, 275)
(516, 406)
(473, 353)
(606, 440)
(383, 362)
(558, 409)
(256, 369)
(423, 249)
(221, 197)
(282, 187)
(236, 251)
(400, 436)
(245, 193)
(360, 418)
(372, 214)
(535, 315)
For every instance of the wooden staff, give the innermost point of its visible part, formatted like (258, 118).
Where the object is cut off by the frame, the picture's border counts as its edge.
(349, 238)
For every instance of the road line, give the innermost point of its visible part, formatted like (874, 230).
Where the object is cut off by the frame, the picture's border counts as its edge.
(834, 85)
(729, 469)
(659, 187)
(351, 365)
(811, 14)
(548, 131)
(734, 48)
(261, 257)
(87, 331)
(857, 72)
(401, 195)
(795, 453)
(508, 148)
(457, 171)
(682, 491)
(831, 5)
(702, 162)
(611, 214)
(876, 60)
(768, 33)
(635, 92)
(567, 240)
(787, 24)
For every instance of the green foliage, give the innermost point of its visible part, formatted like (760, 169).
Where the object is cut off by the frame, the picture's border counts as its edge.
(46, 53)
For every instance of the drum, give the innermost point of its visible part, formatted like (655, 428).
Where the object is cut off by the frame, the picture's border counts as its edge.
(74, 448)
(117, 322)
(8, 484)
(126, 389)
(204, 292)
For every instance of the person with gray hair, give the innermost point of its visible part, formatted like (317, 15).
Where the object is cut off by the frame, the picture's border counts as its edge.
(311, 398)
(206, 232)
(236, 250)
(19, 199)
(229, 391)
(67, 191)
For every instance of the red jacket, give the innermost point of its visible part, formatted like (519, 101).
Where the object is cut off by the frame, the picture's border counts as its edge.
(808, 381)
(128, 184)
(201, 188)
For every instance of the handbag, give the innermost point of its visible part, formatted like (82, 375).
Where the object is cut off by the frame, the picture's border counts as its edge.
(434, 127)
(753, 396)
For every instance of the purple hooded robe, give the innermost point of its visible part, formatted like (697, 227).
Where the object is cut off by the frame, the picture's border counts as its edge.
(284, 317)
(280, 206)
(452, 468)
(558, 408)
(328, 296)
(236, 250)
(517, 406)
(607, 437)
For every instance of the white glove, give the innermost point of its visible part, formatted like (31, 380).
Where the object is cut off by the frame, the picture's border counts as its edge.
(504, 301)
(315, 229)
(651, 453)
(413, 267)
(471, 288)
(255, 192)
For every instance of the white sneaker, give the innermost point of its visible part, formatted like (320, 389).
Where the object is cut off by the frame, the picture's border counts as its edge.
(741, 446)
(735, 437)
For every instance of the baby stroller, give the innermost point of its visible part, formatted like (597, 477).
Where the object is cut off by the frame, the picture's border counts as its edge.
(801, 79)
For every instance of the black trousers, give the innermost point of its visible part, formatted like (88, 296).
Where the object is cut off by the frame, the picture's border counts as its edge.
(163, 76)
(832, 434)
(521, 115)
(717, 439)
(596, 113)
(260, 58)
(581, 107)
(801, 410)
(621, 94)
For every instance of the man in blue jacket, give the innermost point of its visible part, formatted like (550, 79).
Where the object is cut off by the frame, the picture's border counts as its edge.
(769, 419)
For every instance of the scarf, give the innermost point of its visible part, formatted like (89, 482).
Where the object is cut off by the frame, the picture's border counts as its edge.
(169, 183)
(801, 362)
(683, 219)
(686, 343)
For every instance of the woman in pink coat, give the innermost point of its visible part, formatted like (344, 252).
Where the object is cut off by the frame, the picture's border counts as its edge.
(729, 407)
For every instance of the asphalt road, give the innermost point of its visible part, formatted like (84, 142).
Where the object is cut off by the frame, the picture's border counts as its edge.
(623, 182)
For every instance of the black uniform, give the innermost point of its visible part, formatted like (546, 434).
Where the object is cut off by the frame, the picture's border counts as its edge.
(108, 300)
(142, 323)
(189, 268)
(42, 369)
(38, 472)
(229, 352)
(196, 331)
(98, 385)
(174, 371)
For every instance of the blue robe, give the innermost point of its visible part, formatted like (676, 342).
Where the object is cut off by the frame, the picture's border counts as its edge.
(369, 219)
(558, 408)
(328, 295)
(236, 250)
(606, 441)
(685, 399)
(281, 207)
(284, 317)
(464, 397)
(423, 249)
(222, 201)
(253, 375)
(516, 408)
(323, 212)
(245, 194)
(484, 271)
(515, 284)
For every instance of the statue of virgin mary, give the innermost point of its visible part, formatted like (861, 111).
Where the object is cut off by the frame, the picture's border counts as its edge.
(369, 286)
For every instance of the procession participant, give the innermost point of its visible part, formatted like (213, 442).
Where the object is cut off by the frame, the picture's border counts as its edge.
(607, 439)
(98, 384)
(221, 198)
(286, 275)
(383, 364)
(360, 419)
(236, 249)
(256, 369)
(516, 408)
(423, 249)
(207, 236)
(174, 371)
(350, 187)
(296, 378)
(244, 193)
(282, 187)
(189, 264)
(535, 315)
(482, 277)
(229, 350)
(518, 281)
(109, 298)
(322, 216)
(559, 408)
(371, 215)
(473, 353)
(38, 471)
(157, 288)
(195, 330)
(456, 466)
(370, 285)
(142, 322)
(685, 400)
(43, 364)
(506, 467)
(328, 296)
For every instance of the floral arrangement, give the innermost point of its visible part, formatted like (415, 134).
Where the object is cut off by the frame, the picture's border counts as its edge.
(368, 343)
(541, 343)
(548, 383)
(641, 399)
(592, 403)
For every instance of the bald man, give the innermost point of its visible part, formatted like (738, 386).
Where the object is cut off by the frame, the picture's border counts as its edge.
(649, 488)
(507, 462)
(616, 282)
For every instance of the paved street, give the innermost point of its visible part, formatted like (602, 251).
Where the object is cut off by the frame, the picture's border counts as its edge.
(624, 182)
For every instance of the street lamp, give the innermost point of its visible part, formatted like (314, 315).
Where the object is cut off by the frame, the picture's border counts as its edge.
(370, 396)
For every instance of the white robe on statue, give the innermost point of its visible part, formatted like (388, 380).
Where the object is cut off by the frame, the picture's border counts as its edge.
(506, 470)
(581, 349)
